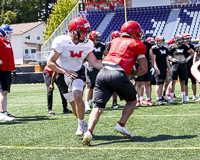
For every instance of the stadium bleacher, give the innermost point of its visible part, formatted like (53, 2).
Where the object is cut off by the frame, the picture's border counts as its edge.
(153, 20)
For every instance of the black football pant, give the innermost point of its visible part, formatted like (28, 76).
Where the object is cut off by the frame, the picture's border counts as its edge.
(47, 80)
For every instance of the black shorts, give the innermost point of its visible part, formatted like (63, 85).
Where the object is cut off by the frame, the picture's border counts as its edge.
(60, 80)
(5, 80)
(109, 81)
(145, 78)
(179, 69)
(161, 78)
(193, 80)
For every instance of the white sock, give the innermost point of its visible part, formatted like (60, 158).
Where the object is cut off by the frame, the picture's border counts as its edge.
(172, 96)
(183, 94)
(195, 96)
(158, 98)
(90, 100)
(138, 99)
(80, 121)
(186, 97)
(148, 98)
(141, 97)
(86, 103)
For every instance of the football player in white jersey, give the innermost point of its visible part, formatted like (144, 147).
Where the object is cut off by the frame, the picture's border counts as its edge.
(66, 57)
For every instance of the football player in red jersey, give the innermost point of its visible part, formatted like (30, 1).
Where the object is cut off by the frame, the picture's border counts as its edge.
(124, 52)
(66, 57)
(7, 65)
(114, 34)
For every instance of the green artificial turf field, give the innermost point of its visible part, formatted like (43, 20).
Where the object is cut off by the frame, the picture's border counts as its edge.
(160, 132)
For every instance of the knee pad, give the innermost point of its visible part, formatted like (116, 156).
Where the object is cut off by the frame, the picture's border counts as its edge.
(77, 84)
(69, 96)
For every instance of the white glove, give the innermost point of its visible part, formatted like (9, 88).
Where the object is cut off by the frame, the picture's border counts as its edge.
(152, 70)
(173, 60)
(187, 59)
(1, 62)
(90, 69)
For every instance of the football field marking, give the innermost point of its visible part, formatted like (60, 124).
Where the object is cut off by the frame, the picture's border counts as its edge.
(101, 148)
(175, 115)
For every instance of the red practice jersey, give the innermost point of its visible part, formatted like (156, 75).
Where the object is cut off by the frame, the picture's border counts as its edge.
(6, 55)
(124, 52)
(48, 70)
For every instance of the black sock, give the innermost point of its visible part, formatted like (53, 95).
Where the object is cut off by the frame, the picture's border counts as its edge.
(164, 92)
(114, 102)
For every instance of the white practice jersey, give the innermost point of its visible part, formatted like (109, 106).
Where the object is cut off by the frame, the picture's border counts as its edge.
(71, 55)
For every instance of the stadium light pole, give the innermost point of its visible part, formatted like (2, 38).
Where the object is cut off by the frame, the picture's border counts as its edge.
(125, 10)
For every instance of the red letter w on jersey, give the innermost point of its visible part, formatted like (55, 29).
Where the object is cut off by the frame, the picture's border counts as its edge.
(76, 54)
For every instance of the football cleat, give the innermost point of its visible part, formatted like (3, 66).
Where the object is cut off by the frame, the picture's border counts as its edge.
(122, 130)
(4, 117)
(160, 102)
(143, 101)
(164, 99)
(149, 103)
(82, 128)
(171, 101)
(195, 98)
(184, 100)
(87, 108)
(138, 104)
(176, 97)
(87, 138)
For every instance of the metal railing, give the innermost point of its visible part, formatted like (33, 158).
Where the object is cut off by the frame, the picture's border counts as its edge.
(60, 29)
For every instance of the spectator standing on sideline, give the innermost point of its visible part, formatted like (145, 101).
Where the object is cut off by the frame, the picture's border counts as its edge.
(115, 34)
(49, 78)
(146, 78)
(161, 64)
(90, 72)
(7, 65)
(66, 57)
(187, 40)
(124, 52)
(177, 55)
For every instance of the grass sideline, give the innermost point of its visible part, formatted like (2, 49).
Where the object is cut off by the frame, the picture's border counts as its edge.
(160, 132)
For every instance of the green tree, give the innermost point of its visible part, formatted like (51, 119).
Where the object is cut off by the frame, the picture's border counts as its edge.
(26, 10)
(10, 17)
(60, 10)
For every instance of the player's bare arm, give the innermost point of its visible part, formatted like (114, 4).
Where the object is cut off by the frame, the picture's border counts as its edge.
(151, 56)
(105, 52)
(93, 61)
(51, 63)
(191, 52)
(143, 67)
(195, 57)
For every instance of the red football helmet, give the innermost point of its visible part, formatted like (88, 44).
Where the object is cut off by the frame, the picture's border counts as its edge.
(171, 41)
(115, 34)
(187, 38)
(150, 40)
(95, 36)
(160, 40)
(78, 24)
(133, 29)
(179, 39)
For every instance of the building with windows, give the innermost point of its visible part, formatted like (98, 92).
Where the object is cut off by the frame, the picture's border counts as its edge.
(27, 39)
